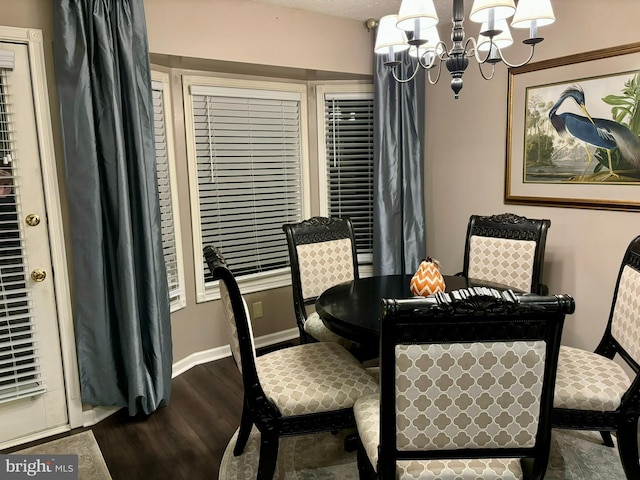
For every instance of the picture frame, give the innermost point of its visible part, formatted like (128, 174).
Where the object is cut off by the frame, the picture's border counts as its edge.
(547, 164)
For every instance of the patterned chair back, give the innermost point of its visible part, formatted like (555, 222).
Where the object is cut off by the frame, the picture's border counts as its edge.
(624, 323)
(322, 252)
(469, 395)
(507, 249)
(238, 324)
(469, 377)
(323, 265)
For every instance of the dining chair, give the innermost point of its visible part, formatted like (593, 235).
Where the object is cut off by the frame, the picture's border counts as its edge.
(322, 253)
(593, 391)
(466, 387)
(507, 249)
(298, 390)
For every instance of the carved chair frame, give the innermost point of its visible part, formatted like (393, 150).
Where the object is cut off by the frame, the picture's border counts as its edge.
(257, 408)
(314, 230)
(476, 319)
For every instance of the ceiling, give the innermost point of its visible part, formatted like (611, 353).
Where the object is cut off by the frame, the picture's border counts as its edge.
(356, 9)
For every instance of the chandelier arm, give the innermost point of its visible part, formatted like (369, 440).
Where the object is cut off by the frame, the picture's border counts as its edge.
(426, 66)
(484, 60)
(481, 61)
(516, 65)
(474, 50)
(433, 82)
(490, 76)
(407, 80)
(435, 57)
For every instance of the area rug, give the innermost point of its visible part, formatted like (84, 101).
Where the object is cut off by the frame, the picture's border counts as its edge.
(575, 455)
(91, 464)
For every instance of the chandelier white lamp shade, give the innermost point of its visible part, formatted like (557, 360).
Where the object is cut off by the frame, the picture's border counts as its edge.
(486, 10)
(532, 14)
(389, 38)
(413, 29)
(417, 15)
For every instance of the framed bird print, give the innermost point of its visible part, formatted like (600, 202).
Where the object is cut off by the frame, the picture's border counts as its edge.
(573, 131)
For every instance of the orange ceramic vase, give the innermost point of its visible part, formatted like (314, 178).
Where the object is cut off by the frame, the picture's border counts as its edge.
(428, 279)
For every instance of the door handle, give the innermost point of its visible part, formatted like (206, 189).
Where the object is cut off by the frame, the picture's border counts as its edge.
(38, 275)
(32, 219)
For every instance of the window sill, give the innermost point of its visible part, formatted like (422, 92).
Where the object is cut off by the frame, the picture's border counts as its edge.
(249, 284)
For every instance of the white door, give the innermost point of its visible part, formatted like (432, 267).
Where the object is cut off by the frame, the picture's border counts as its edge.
(32, 387)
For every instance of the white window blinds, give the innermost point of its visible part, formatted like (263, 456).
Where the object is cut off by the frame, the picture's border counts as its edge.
(248, 156)
(19, 352)
(168, 208)
(348, 142)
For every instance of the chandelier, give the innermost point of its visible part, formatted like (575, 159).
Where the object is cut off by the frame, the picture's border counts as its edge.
(414, 29)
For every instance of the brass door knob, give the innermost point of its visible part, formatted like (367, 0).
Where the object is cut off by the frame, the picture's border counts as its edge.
(32, 219)
(38, 275)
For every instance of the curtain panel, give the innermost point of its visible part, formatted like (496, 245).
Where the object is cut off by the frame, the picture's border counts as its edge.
(121, 300)
(398, 217)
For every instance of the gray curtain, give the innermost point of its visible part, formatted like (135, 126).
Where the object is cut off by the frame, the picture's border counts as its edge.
(121, 300)
(399, 220)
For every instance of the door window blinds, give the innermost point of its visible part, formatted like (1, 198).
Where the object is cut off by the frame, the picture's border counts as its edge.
(349, 156)
(167, 216)
(19, 355)
(248, 155)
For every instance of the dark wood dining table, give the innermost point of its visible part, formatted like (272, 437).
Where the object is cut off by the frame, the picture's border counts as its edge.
(353, 309)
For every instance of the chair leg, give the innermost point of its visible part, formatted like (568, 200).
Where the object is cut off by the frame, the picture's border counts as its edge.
(628, 448)
(304, 336)
(268, 456)
(606, 438)
(245, 429)
(365, 353)
(351, 442)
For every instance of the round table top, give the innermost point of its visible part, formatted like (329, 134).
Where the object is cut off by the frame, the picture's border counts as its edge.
(352, 309)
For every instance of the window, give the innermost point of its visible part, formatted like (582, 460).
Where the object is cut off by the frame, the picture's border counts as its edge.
(169, 215)
(345, 153)
(247, 168)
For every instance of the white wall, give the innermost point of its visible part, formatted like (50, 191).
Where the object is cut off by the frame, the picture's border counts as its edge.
(465, 165)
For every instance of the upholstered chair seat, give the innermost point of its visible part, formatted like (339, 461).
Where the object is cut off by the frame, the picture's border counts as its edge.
(312, 378)
(319, 331)
(368, 422)
(588, 381)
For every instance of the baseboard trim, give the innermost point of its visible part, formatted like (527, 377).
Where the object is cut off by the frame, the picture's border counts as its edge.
(97, 414)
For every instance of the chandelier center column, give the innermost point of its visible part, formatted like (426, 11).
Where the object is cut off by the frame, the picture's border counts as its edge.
(457, 62)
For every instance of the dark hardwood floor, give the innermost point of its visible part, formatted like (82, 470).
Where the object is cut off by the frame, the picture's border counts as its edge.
(184, 440)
